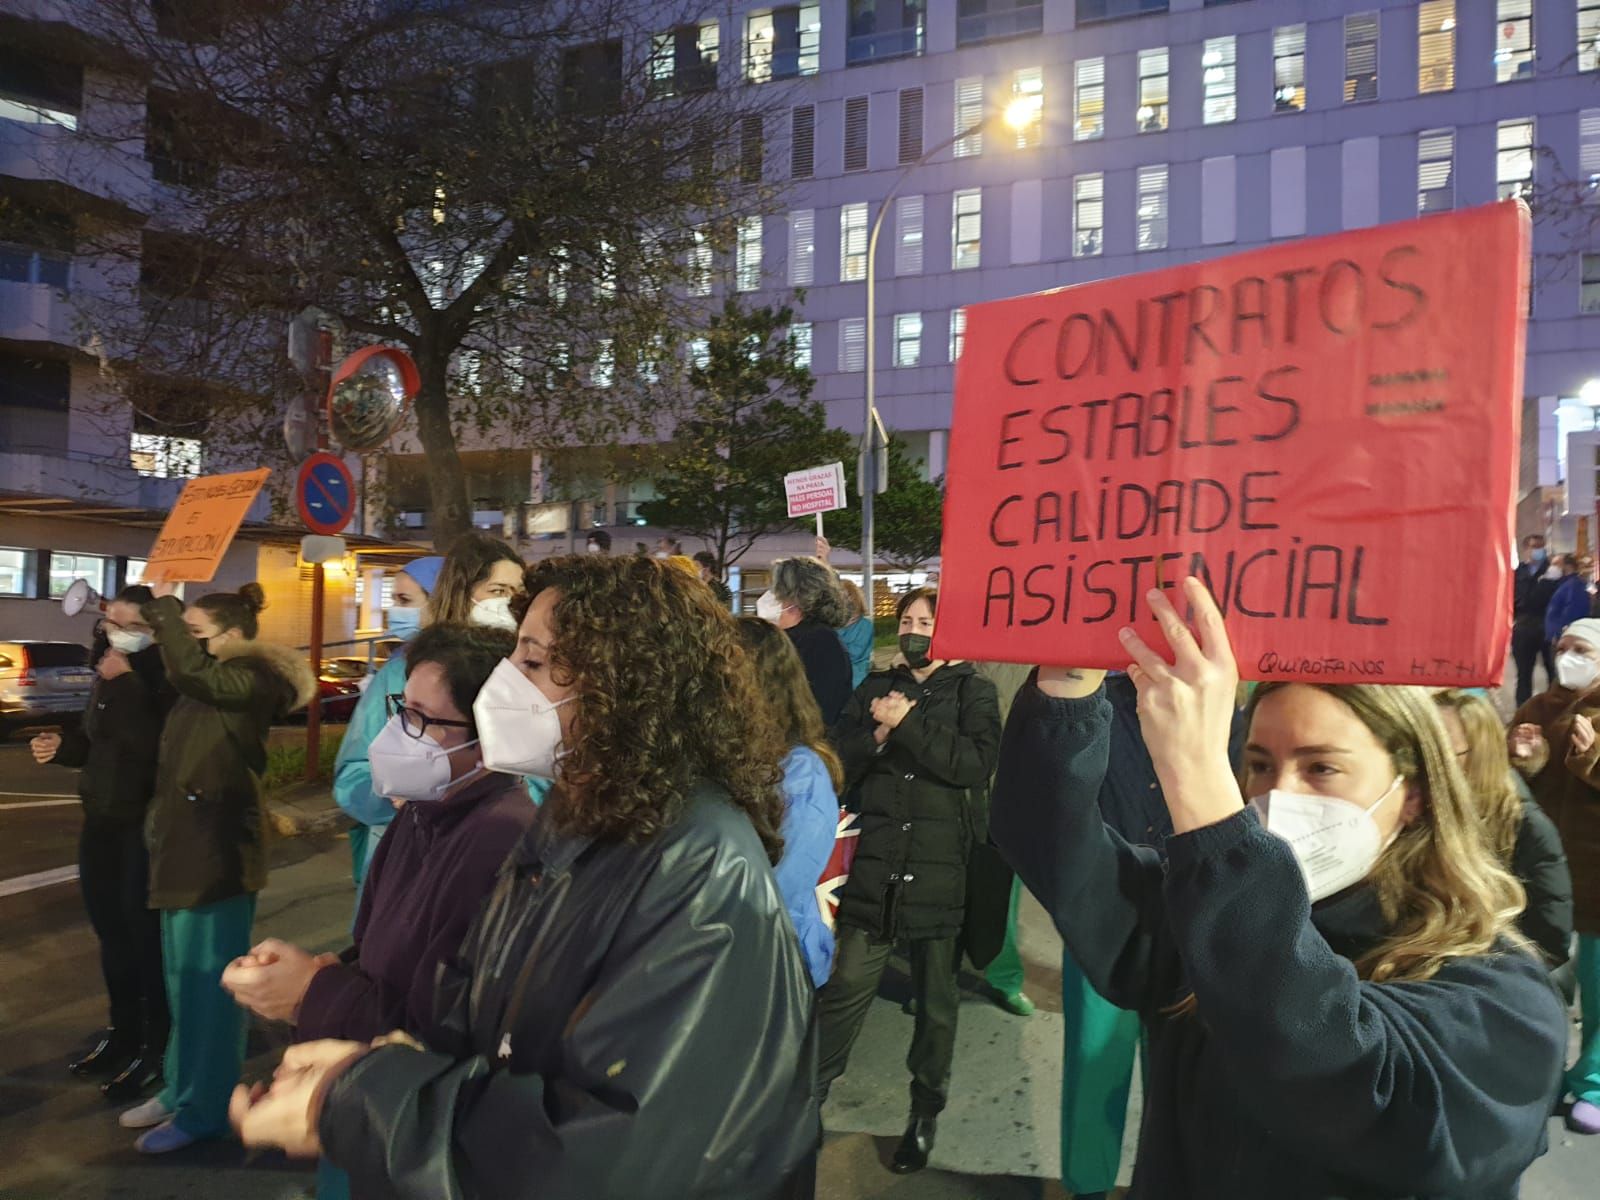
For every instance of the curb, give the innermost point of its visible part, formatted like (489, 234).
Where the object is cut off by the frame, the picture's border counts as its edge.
(305, 808)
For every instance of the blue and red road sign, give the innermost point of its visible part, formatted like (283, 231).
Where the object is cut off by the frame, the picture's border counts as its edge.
(325, 494)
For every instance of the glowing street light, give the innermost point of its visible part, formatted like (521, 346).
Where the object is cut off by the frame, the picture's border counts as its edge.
(1024, 111)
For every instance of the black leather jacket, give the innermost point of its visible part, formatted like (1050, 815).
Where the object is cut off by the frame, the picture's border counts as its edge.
(623, 1021)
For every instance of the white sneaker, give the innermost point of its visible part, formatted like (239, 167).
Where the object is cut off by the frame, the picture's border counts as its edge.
(151, 1112)
(163, 1139)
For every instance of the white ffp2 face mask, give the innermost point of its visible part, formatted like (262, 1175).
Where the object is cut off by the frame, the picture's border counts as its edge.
(411, 769)
(769, 607)
(129, 643)
(1576, 671)
(1336, 842)
(519, 726)
(495, 612)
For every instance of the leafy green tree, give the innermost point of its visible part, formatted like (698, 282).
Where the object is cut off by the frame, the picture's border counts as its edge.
(907, 519)
(750, 421)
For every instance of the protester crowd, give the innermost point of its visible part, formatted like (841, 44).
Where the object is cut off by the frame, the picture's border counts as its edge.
(628, 869)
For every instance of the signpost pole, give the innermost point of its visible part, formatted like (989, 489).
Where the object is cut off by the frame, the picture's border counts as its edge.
(314, 713)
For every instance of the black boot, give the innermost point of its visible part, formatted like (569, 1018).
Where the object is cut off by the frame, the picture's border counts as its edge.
(134, 1080)
(109, 1055)
(915, 1146)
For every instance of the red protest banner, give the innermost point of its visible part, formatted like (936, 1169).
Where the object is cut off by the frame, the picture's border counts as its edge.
(1326, 432)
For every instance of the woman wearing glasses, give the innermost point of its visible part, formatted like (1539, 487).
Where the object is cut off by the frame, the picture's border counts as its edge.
(472, 585)
(455, 823)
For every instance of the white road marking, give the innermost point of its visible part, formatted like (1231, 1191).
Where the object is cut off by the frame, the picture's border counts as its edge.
(46, 800)
(39, 879)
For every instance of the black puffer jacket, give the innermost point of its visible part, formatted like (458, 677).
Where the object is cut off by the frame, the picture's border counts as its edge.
(623, 1021)
(117, 741)
(922, 796)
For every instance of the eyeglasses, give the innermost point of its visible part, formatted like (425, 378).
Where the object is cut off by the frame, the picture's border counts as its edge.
(415, 724)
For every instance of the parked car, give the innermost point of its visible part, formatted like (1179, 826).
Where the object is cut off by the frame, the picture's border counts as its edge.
(339, 687)
(42, 683)
(340, 683)
(351, 668)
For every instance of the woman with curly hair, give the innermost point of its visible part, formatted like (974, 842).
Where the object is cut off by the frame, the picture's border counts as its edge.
(630, 1014)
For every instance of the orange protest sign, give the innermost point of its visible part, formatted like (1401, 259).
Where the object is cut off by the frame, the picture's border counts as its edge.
(201, 526)
(1325, 432)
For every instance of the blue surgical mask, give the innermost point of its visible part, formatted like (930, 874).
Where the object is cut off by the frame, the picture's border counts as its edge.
(404, 623)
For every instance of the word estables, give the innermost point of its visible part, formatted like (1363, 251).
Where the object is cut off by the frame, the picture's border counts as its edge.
(1149, 425)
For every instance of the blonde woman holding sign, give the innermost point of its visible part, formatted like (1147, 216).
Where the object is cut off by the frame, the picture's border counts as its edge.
(1327, 964)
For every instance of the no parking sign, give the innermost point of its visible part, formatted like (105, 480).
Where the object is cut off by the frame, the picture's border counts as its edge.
(325, 493)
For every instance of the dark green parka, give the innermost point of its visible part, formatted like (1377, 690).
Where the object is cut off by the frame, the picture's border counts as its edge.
(206, 829)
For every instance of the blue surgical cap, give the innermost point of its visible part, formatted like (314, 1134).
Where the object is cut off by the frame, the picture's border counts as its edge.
(425, 571)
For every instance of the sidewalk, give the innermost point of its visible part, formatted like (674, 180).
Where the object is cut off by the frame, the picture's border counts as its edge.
(305, 808)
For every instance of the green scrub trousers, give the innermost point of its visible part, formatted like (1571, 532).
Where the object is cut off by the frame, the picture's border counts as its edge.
(1096, 1076)
(1005, 972)
(205, 1051)
(1096, 1066)
(1583, 1081)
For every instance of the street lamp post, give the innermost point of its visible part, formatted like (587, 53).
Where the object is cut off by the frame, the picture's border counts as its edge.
(1017, 115)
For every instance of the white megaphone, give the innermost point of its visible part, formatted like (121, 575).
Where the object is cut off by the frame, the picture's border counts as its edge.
(81, 596)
